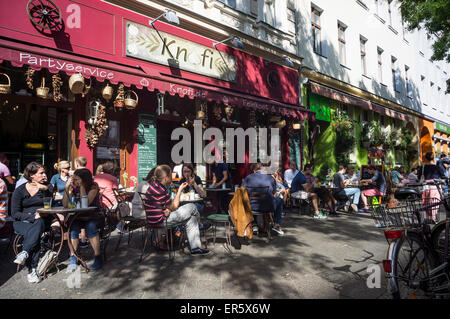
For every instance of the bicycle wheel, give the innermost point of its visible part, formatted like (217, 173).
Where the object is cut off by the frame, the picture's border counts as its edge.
(438, 239)
(412, 262)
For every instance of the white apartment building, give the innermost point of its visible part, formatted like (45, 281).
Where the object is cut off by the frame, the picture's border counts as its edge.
(364, 43)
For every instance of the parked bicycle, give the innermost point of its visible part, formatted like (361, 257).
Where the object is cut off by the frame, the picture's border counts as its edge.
(417, 258)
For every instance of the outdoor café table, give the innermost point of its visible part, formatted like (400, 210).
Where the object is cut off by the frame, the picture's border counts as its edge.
(216, 191)
(70, 215)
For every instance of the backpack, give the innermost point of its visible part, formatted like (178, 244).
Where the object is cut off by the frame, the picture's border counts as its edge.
(47, 260)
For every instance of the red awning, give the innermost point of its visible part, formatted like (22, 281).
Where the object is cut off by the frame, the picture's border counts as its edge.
(55, 61)
(349, 99)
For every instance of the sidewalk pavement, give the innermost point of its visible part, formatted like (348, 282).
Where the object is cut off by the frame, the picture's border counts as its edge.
(314, 259)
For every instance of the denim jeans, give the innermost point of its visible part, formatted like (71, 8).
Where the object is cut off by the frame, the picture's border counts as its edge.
(278, 203)
(351, 191)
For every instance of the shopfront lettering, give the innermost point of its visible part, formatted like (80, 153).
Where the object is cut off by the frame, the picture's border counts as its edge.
(156, 46)
(180, 90)
(29, 59)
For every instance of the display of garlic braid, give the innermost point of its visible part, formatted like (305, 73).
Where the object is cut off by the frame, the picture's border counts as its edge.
(30, 73)
(57, 83)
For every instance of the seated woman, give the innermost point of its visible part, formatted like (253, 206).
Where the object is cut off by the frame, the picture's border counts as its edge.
(83, 185)
(160, 208)
(282, 191)
(193, 183)
(26, 199)
(60, 180)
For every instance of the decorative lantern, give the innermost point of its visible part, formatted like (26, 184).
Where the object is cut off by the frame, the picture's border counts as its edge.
(93, 112)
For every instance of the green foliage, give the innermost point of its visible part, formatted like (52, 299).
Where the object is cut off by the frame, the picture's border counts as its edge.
(345, 140)
(433, 15)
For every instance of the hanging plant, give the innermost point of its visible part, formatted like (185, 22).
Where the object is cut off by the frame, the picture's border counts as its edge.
(57, 83)
(94, 132)
(342, 122)
(29, 77)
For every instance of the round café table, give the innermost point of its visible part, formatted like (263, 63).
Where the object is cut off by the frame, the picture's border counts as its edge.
(70, 215)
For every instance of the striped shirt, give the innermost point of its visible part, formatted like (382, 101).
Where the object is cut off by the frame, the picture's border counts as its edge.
(157, 198)
(3, 203)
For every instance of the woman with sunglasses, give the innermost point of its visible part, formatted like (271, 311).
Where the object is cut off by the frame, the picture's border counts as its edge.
(60, 179)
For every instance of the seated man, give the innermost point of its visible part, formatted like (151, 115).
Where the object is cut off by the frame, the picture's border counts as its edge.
(378, 181)
(323, 193)
(396, 176)
(413, 176)
(298, 185)
(340, 183)
(273, 202)
(354, 177)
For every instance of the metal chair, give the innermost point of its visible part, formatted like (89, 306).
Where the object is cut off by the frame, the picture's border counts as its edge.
(216, 219)
(261, 193)
(168, 232)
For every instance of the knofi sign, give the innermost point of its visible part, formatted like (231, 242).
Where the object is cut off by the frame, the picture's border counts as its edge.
(148, 44)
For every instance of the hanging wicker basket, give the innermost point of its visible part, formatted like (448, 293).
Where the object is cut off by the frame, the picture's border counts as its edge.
(131, 103)
(107, 92)
(42, 91)
(4, 88)
(76, 83)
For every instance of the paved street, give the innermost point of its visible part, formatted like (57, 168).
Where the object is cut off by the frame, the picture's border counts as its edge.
(314, 259)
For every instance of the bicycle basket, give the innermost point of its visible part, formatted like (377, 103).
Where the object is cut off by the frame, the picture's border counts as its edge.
(398, 217)
(426, 208)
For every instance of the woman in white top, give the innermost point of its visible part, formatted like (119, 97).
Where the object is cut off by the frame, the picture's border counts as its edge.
(290, 173)
(138, 210)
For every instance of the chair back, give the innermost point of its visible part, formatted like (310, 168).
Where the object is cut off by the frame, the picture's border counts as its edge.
(257, 193)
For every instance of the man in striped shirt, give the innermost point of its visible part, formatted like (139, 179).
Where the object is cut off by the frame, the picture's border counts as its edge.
(161, 209)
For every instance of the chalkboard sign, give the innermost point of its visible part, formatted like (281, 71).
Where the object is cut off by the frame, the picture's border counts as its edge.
(146, 139)
(365, 174)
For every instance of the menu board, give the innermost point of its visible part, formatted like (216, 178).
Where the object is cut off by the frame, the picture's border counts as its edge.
(146, 139)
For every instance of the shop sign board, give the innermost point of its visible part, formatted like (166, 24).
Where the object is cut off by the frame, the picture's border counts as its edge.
(319, 106)
(146, 138)
(148, 44)
(442, 127)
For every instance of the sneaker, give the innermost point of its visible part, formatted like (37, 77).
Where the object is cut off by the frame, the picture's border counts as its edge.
(255, 229)
(21, 258)
(72, 264)
(322, 215)
(316, 216)
(198, 251)
(278, 230)
(84, 244)
(346, 208)
(97, 263)
(33, 277)
(355, 207)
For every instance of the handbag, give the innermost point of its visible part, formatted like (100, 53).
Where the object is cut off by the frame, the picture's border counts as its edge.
(48, 260)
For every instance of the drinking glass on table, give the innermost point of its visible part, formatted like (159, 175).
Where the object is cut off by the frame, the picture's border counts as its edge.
(47, 202)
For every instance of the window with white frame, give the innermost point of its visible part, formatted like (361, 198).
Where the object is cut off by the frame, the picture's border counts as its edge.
(389, 3)
(231, 3)
(395, 75)
(423, 89)
(291, 16)
(380, 64)
(342, 43)
(316, 30)
(254, 8)
(362, 46)
(408, 82)
(269, 12)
